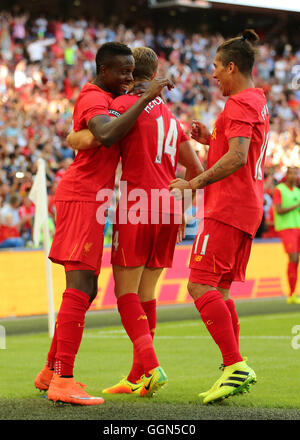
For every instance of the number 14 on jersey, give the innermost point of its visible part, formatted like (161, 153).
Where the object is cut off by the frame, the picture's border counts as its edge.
(166, 144)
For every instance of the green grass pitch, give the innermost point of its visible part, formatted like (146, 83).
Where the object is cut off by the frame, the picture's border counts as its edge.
(187, 354)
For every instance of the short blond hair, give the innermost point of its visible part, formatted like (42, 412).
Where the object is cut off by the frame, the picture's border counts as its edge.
(146, 62)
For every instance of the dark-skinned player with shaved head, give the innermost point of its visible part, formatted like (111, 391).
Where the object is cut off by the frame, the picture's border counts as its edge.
(78, 240)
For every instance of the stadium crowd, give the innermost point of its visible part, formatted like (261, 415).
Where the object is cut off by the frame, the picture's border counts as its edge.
(44, 64)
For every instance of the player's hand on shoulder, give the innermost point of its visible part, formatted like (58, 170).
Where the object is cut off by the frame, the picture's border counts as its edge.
(156, 86)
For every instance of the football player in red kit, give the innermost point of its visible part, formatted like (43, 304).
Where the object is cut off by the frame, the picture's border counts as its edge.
(233, 206)
(145, 232)
(78, 240)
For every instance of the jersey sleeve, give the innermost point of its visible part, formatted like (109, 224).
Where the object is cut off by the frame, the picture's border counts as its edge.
(277, 197)
(92, 104)
(182, 136)
(120, 105)
(237, 120)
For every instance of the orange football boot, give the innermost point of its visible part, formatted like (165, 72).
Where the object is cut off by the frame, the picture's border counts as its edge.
(43, 379)
(66, 389)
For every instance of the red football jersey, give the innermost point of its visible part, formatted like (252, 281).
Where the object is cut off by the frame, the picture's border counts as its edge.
(92, 169)
(237, 200)
(150, 151)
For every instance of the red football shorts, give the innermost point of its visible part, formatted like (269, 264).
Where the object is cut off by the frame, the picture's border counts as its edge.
(150, 245)
(78, 239)
(291, 240)
(220, 255)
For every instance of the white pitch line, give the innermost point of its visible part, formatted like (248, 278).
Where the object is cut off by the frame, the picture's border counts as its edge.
(111, 332)
(114, 336)
(177, 325)
(272, 317)
(189, 324)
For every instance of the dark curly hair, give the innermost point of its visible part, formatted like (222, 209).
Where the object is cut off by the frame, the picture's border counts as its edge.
(108, 51)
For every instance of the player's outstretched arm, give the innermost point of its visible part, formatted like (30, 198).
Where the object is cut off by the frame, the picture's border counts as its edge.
(82, 140)
(233, 160)
(108, 130)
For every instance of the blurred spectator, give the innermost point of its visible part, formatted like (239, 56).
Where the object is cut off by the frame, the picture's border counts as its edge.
(26, 213)
(269, 229)
(11, 209)
(37, 48)
(10, 234)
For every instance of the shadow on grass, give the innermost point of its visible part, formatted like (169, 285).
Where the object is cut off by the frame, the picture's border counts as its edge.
(41, 409)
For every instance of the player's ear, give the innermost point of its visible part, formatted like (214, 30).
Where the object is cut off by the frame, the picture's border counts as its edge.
(102, 70)
(231, 67)
(154, 75)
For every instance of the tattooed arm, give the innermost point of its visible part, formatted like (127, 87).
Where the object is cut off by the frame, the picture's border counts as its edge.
(233, 160)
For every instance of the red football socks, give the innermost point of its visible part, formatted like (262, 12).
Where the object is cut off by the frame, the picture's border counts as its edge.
(135, 323)
(69, 329)
(234, 318)
(53, 348)
(150, 310)
(137, 368)
(52, 352)
(217, 319)
(292, 273)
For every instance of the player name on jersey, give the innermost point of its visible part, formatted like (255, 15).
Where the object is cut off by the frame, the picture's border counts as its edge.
(153, 103)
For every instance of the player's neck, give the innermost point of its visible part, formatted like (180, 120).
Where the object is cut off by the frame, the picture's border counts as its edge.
(241, 84)
(290, 185)
(141, 81)
(98, 83)
(139, 85)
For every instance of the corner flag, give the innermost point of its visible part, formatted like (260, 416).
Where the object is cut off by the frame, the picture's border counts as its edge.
(38, 195)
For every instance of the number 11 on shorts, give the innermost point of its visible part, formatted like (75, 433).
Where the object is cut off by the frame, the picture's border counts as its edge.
(204, 244)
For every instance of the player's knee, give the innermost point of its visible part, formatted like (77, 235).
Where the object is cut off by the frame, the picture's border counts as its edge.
(193, 290)
(196, 290)
(225, 293)
(294, 258)
(94, 293)
(83, 280)
(91, 288)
